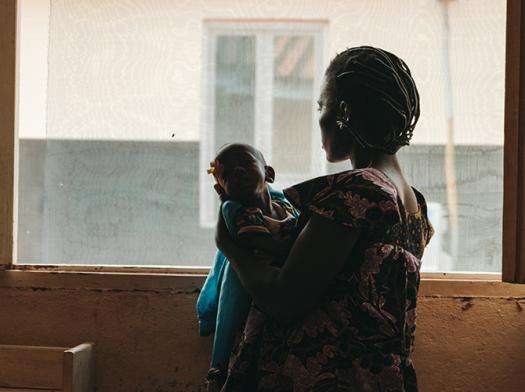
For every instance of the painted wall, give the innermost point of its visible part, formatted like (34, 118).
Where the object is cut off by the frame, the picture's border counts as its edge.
(33, 42)
(147, 339)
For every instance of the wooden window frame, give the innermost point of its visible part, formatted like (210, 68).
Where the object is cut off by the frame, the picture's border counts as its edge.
(513, 268)
(8, 70)
(513, 259)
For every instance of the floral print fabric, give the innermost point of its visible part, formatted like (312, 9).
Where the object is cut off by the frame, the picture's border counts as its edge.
(361, 335)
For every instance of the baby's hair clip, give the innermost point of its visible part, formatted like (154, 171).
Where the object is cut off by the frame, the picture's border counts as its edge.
(215, 168)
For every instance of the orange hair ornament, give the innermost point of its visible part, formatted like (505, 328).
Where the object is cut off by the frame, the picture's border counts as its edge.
(215, 169)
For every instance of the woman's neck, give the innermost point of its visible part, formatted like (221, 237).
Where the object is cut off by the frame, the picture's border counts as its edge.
(361, 158)
(389, 166)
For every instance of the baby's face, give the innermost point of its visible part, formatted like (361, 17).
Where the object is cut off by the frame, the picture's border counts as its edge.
(242, 175)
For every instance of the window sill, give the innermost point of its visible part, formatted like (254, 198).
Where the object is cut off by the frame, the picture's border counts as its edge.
(452, 288)
(144, 281)
(187, 281)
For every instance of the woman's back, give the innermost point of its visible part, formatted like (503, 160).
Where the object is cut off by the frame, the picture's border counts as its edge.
(406, 194)
(361, 334)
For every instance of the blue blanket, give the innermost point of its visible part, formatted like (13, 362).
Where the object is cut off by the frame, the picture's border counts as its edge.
(223, 304)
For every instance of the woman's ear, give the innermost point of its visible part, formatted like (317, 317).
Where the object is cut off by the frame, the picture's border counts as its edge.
(344, 111)
(269, 174)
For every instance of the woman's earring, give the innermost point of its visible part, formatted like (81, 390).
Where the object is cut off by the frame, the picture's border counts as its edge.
(342, 124)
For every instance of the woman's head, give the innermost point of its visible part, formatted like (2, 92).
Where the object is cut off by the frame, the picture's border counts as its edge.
(369, 101)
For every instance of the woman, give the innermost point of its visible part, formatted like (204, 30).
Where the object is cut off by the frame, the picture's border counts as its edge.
(340, 313)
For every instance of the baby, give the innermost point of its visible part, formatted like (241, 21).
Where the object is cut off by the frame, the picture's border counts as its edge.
(257, 217)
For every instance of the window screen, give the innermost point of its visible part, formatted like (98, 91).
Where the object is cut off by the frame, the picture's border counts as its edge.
(123, 103)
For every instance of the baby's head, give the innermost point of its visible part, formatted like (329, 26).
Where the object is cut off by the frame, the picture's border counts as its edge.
(241, 172)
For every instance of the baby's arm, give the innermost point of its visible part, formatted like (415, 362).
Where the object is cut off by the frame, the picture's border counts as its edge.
(250, 233)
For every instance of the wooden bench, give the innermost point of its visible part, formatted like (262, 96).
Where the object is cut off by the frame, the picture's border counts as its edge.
(46, 369)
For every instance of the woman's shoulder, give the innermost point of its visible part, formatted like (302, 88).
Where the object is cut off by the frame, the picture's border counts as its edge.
(354, 198)
(367, 183)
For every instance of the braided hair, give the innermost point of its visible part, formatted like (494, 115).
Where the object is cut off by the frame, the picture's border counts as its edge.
(382, 97)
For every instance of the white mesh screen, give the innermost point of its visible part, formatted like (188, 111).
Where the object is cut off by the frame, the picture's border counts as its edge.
(123, 102)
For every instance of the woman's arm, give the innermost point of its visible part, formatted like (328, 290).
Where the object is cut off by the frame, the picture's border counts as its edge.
(265, 244)
(286, 293)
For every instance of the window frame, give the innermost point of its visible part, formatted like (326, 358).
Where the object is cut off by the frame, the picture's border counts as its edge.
(513, 258)
(513, 242)
(264, 31)
(8, 88)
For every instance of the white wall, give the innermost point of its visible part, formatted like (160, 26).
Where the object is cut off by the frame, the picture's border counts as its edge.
(132, 70)
(33, 44)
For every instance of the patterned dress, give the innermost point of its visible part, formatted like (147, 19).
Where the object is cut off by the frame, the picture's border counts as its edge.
(360, 337)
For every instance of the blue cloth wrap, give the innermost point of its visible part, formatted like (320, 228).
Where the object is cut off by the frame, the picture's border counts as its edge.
(223, 303)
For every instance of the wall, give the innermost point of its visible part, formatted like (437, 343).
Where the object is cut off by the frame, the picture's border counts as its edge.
(33, 43)
(119, 67)
(147, 338)
(125, 202)
(110, 202)
(470, 344)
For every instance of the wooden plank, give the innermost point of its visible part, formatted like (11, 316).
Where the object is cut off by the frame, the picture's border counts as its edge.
(7, 126)
(470, 288)
(514, 163)
(102, 281)
(79, 369)
(442, 284)
(494, 277)
(31, 367)
(14, 347)
(120, 269)
(28, 390)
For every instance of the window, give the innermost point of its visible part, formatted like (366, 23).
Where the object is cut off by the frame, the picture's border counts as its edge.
(261, 82)
(121, 105)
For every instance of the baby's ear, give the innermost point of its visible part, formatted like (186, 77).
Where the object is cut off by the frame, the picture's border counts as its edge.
(269, 174)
